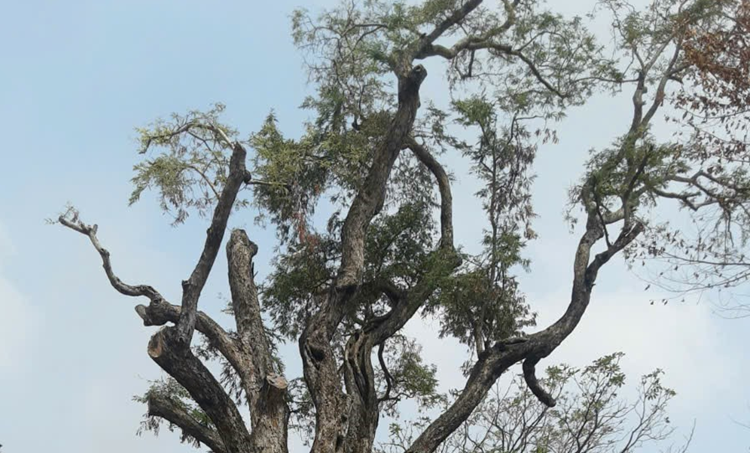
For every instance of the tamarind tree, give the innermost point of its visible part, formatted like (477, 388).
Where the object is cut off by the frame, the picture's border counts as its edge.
(374, 155)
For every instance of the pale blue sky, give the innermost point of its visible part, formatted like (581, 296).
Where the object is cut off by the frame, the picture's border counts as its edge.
(77, 77)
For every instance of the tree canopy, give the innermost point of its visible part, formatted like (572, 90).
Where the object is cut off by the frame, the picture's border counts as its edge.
(373, 156)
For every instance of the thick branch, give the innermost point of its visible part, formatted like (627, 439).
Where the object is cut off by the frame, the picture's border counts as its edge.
(162, 313)
(427, 48)
(164, 407)
(179, 361)
(247, 312)
(171, 355)
(320, 365)
(369, 200)
(267, 390)
(501, 356)
(425, 43)
(192, 287)
(484, 373)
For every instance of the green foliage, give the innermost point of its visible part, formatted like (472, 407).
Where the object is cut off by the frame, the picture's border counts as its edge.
(398, 245)
(191, 166)
(298, 282)
(512, 72)
(279, 159)
(482, 304)
(409, 377)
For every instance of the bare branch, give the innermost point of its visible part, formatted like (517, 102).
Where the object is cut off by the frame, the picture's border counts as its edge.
(266, 390)
(70, 219)
(159, 314)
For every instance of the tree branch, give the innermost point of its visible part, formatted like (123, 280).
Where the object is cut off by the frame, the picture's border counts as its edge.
(159, 314)
(172, 356)
(164, 407)
(502, 355)
(192, 287)
(446, 198)
(320, 366)
(529, 375)
(427, 48)
(70, 219)
(457, 16)
(267, 390)
(247, 311)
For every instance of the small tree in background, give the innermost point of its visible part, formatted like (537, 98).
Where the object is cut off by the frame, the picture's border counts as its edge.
(590, 415)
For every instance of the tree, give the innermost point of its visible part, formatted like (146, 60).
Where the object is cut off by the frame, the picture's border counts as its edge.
(714, 105)
(590, 415)
(344, 291)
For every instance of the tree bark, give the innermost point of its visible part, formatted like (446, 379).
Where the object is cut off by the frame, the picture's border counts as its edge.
(266, 391)
(321, 372)
(175, 358)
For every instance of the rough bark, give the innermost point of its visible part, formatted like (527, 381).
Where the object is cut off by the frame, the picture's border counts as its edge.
(344, 395)
(159, 314)
(501, 356)
(266, 391)
(319, 363)
(173, 357)
(192, 287)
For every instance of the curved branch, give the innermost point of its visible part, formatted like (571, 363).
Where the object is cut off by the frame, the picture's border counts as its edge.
(501, 356)
(320, 366)
(529, 375)
(424, 45)
(70, 219)
(162, 313)
(369, 200)
(386, 373)
(427, 49)
(164, 407)
(446, 198)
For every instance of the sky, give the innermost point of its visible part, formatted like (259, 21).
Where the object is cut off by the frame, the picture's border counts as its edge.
(78, 77)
